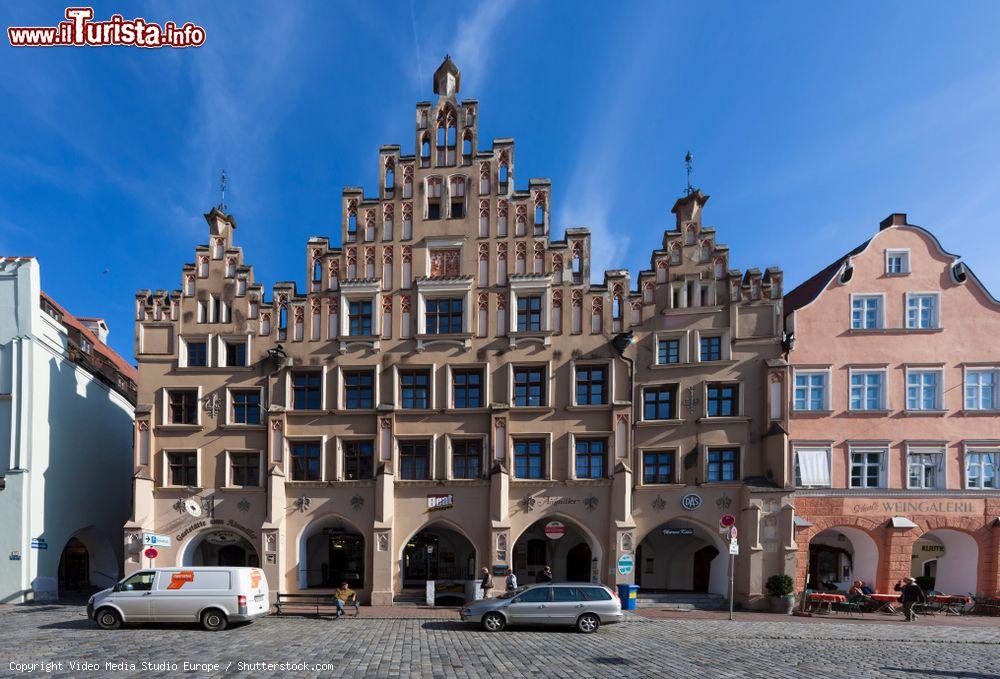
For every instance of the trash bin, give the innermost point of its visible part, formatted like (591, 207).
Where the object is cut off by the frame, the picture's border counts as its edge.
(627, 594)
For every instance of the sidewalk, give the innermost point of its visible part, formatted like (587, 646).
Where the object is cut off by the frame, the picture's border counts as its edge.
(939, 620)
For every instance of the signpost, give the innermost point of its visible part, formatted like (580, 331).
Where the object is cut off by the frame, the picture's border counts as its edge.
(734, 549)
(555, 530)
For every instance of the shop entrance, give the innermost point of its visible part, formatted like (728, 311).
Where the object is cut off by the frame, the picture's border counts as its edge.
(74, 569)
(437, 553)
(946, 561)
(681, 556)
(220, 548)
(571, 553)
(839, 556)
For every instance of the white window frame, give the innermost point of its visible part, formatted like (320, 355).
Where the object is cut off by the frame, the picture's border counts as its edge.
(796, 448)
(342, 386)
(546, 367)
(935, 311)
(165, 407)
(641, 465)
(609, 455)
(182, 350)
(808, 372)
(229, 468)
(432, 440)
(483, 368)
(883, 473)
(995, 370)
(880, 317)
(289, 388)
(969, 449)
(941, 468)
(898, 252)
(684, 346)
(165, 469)
(741, 453)
(514, 438)
(229, 408)
(483, 462)
(303, 438)
(725, 350)
(940, 392)
(221, 353)
(609, 385)
(741, 389)
(369, 293)
(883, 389)
(432, 385)
(530, 288)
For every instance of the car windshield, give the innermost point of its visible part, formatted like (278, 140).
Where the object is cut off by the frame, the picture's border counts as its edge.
(513, 593)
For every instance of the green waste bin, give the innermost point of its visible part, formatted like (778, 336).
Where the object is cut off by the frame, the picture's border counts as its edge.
(628, 594)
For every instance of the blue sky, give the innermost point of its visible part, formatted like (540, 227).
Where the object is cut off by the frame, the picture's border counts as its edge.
(809, 123)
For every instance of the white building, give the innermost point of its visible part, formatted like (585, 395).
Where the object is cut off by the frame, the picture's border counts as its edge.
(66, 416)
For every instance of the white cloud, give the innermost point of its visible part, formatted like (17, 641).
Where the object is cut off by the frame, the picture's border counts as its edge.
(474, 43)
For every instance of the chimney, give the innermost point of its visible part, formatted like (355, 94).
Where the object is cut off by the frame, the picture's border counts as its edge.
(895, 219)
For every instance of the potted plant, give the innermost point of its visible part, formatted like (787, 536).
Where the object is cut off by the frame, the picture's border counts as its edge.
(781, 588)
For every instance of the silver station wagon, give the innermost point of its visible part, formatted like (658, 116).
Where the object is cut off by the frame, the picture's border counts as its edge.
(583, 605)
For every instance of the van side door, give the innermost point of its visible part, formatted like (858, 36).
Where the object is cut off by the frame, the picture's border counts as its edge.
(134, 595)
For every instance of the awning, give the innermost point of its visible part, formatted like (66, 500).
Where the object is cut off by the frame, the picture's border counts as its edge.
(901, 522)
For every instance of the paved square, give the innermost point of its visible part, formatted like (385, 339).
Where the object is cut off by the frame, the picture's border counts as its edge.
(411, 647)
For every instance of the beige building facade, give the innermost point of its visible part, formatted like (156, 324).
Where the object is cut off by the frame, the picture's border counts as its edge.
(449, 391)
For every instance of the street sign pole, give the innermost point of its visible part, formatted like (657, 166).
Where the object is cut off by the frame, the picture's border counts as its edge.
(732, 575)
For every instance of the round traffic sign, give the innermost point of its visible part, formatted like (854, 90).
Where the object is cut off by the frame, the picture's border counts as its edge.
(554, 530)
(733, 532)
(625, 564)
(727, 520)
(151, 553)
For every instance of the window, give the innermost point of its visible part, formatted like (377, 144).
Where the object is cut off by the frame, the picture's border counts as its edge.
(414, 389)
(433, 199)
(866, 391)
(529, 459)
(866, 312)
(533, 596)
(182, 469)
(596, 593)
(358, 460)
(236, 354)
(197, 354)
(466, 388)
(723, 400)
(182, 406)
(306, 390)
(140, 582)
(591, 385)
(359, 390)
(923, 390)
(659, 403)
(921, 311)
(466, 459)
(711, 349)
(244, 469)
(925, 468)
(723, 464)
(245, 406)
(866, 468)
(305, 461)
(979, 389)
(529, 386)
(457, 197)
(591, 458)
(668, 351)
(981, 469)
(658, 467)
(810, 390)
(529, 314)
(443, 316)
(897, 261)
(359, 318)
(812, 467)
(414, 460)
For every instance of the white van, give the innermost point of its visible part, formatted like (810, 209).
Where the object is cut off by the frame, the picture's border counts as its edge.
(213, 596)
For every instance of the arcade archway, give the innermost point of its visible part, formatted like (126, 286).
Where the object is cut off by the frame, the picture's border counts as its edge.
(437, 552)
(682, 555)
(219, 548)
(332, 551)
(87, 563)
(946, 561)
(839, 556)
(570, 550)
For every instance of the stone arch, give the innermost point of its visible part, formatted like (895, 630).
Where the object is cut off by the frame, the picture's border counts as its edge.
(399, 563)
(718, 572)
(866, 527)
(981, 570)
(313, 528)
(102, 567)
(187, 550)
(597, 549)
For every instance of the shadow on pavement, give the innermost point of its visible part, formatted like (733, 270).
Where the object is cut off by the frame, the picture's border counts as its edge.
(960, 674)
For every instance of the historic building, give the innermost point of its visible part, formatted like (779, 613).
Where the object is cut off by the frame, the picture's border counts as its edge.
(451, 391)
(895, 417)
(66, 402)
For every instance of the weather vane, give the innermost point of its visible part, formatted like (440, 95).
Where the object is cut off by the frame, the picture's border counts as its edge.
(687, 165)
(223, 182)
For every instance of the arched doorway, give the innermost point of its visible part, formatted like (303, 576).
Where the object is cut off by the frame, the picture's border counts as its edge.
(572, 553)
(219, 548)
(946, 561)
(681, 556)
(332, 551)
(839, 556)
(74, 569)
(87, 563)
(437, 552)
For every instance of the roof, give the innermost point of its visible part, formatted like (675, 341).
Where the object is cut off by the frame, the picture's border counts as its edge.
(809, 289)
(126, 369)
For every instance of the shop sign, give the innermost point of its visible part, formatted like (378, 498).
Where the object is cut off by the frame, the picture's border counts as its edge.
(691, 501)
(554, 530)
(678, 531)
(438, 502)
(626, 562)
(499, 569)
(152, 539)
(913, 507)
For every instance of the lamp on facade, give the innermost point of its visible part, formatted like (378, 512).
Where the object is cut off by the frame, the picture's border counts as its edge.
(623, 341)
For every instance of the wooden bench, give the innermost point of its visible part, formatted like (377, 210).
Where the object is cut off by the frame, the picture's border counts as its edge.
(314, 601)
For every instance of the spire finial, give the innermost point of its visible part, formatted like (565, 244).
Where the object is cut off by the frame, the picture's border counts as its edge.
(687, 166)
(223, 183)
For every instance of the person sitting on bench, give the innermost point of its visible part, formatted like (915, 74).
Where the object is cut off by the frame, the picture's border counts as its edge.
(344, 595)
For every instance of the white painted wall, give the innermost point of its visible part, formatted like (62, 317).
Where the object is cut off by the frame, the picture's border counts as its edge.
(957, 567)
(65, 448)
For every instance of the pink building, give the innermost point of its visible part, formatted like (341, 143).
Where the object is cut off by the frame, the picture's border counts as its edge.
(894, 417)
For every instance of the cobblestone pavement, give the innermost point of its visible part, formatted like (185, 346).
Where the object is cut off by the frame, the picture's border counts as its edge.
(411, 647)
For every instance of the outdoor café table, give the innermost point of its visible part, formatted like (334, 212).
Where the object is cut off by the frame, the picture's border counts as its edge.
(887, 601)
(951, 603)
(822, 598)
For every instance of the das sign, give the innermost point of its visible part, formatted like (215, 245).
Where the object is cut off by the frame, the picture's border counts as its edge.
(691, 501)
(555, 530)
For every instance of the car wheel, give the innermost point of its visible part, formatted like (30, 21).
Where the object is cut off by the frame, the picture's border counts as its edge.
(494, 622)
(588, 623)
(213, 620)
(108, 618)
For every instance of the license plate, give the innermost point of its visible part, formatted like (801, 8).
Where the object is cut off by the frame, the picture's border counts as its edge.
(259, 597)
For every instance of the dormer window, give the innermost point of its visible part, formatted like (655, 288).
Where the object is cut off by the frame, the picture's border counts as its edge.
(897, 262)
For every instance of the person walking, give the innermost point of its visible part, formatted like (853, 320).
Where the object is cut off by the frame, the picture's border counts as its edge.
(511, 581)
(910, 594)
(487, 582)
(544, 575)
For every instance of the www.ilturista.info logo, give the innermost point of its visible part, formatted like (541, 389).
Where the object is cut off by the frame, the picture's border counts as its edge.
(80, 31)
